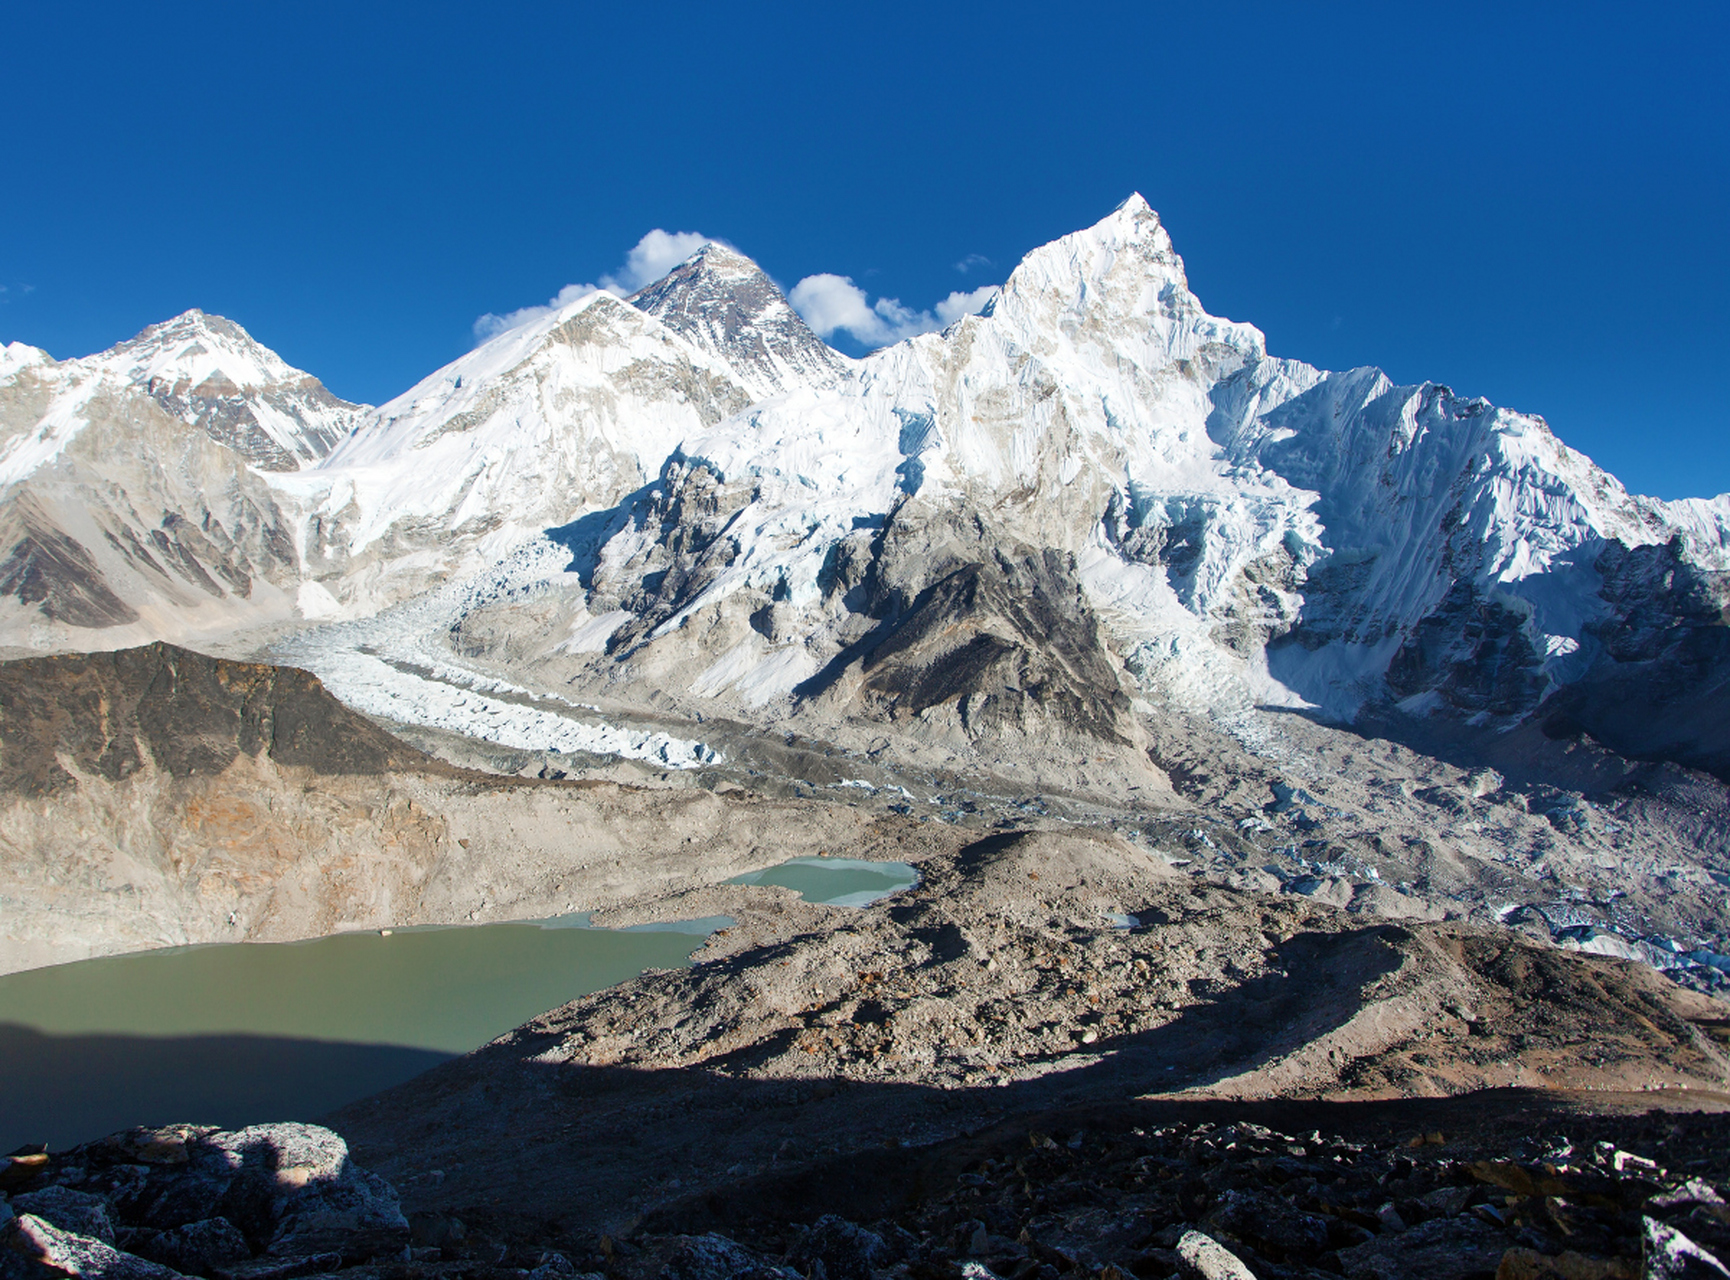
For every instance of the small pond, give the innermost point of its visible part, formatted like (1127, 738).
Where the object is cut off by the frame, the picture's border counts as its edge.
(238, 1033)
(837, 882)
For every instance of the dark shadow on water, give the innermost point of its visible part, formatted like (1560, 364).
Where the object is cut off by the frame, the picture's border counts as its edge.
(67, 1089)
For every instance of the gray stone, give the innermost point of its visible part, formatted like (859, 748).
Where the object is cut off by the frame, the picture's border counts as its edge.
(1441, 1249)
(1269, 1224)
(843, 1249)
(1201, 1257)
(553, 1265)
(1670, 1255)
(32, 1248)
(712, 1257)
(356, 1214)
(76, 1211)
(197, 1248)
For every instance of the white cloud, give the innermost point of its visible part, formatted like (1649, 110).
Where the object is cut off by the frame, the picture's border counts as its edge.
(831, 303)
(957, 305)
(971, 261)
(491, 325)
(654, 255)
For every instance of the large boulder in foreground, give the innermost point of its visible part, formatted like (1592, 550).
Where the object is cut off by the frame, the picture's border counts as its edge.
(198, 1200)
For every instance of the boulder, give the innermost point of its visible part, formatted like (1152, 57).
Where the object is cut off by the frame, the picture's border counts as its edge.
(715, 1257)
(190, 1191)
(1440, 1249)
(1269, 1224)
(32, 1248)
(197, 1248)
(1201, 1257)
(79, 1212)
(1670, 1255)
(844, 1250)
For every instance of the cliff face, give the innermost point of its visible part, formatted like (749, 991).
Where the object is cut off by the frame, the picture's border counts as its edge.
(109, 716)
(156, 797)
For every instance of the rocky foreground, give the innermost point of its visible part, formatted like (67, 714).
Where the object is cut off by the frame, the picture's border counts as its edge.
(1529, 1191)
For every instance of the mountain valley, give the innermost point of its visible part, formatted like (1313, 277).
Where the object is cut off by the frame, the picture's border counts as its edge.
(1261, 734)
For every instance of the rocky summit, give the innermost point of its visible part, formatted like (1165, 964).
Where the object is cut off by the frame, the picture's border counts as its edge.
(1318, 789)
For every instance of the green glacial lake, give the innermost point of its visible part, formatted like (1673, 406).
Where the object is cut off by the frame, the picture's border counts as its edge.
(839, 882)
(240, 1033)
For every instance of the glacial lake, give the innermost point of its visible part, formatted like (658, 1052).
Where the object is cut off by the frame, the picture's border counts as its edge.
(839, 882)
(235, 1034)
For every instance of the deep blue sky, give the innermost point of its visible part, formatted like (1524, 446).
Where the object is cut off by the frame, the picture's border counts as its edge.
(1526, 202)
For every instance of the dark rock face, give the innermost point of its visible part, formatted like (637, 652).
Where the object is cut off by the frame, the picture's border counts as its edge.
(722, 301)
(53, 570)
(75, 1211)
(1659, 689)
(32, 1248)
(840, 1249)
(183, 711)
(1474, 653)
(227, 413)
(1001, 631)
(153, 1204)
(193, 1248)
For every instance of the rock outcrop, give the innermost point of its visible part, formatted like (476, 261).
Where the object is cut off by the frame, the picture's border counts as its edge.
(261, 1203)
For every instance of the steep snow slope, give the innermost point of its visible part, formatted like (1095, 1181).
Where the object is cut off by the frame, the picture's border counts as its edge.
(1092, 495)
(1244, 528)
(132, 504)
(567, 414)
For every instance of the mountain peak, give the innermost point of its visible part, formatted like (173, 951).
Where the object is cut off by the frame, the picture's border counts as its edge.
(210, 373)
(726, 304)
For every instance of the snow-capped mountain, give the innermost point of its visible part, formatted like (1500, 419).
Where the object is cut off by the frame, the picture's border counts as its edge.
(720, 301)
(133, 499)
(1091, 499)
(209, 373)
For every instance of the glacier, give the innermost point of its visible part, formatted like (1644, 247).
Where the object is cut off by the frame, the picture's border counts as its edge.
(700, 506)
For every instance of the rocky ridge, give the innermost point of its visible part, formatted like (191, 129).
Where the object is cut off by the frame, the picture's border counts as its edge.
(693, 501)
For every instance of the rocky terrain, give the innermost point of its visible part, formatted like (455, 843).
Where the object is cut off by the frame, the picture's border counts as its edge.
(155, 797)
(1295, 764)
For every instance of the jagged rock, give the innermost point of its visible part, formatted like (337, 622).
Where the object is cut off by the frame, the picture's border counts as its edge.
(197, 1248)
(203, 1197)
(715, 1257)
(32, 1248)
(1670, 1255)
(553, 1265)
(844, 1250)
(79, 1212)
(1441, 1249)
(1268, 1223)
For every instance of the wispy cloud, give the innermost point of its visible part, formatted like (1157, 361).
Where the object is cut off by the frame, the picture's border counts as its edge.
(832, 303)
(491, 325)
(972, 262)
(654, 255)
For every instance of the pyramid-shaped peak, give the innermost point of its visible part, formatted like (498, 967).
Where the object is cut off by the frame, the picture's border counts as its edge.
(713, 266)
(194, 344)
(210, 373)
(1133, 220)
(726, 304)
